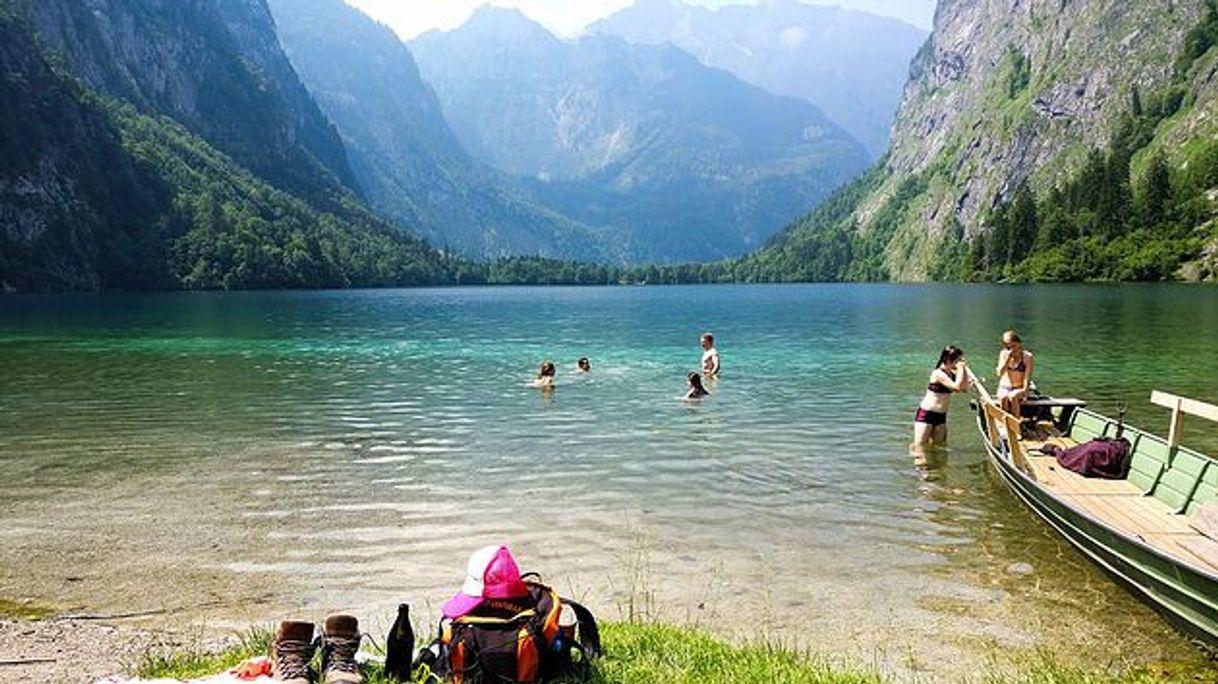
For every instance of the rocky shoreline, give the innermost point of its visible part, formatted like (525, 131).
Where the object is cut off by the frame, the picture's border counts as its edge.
(68, 649)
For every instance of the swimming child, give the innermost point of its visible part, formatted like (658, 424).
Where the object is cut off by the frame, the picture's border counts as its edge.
(710, 356)
(1014, 373)
(584, 365)
(696, 390)
(545, 376)
(930, 422)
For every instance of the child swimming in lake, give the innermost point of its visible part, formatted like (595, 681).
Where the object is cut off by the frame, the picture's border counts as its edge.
(545, 376)
(696, 390)
(950, 375)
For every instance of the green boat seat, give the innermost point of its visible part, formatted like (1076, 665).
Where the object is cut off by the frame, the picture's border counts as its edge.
(1178, 483)
(1207, 488)
(1149, 460)
(1086, 426)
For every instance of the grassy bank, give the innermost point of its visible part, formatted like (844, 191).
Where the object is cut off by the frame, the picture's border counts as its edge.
(649, 653)
(24, 610)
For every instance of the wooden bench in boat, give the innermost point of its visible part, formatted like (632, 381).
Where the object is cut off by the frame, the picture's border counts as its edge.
(1166, 482)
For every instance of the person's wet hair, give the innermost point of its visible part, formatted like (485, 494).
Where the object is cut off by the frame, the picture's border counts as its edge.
(695, 381)
(547, 368)
(584, 363)
(1012, 336)
(950, 354)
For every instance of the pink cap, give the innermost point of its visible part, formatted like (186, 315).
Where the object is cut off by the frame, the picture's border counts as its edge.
(492, 573)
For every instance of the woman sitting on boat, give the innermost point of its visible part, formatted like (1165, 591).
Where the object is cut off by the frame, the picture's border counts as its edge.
(1014, 373)
(950, 375)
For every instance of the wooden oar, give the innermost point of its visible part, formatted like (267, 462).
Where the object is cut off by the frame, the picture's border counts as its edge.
(975, 382)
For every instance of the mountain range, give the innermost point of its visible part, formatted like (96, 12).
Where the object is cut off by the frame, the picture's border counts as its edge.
(149, 144)
(852, 65)
(683, 161)
(403, 153)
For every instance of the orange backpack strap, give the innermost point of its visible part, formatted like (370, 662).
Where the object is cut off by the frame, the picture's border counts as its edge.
(456, 663)
(528, 660)
(549, 624)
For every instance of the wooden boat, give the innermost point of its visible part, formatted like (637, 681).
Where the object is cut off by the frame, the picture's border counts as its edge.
(1139, 529)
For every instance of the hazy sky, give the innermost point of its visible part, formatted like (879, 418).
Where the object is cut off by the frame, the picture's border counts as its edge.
(568, 17)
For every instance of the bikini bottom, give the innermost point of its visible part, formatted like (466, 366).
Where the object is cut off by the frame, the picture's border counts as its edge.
(930, 417)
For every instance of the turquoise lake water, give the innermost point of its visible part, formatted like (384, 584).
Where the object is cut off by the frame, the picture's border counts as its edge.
(239, 457)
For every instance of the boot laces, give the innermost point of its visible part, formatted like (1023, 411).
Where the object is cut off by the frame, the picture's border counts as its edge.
(292, 658)
(340, 653)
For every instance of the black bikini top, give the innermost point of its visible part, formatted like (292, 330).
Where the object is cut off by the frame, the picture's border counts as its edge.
(939, 388)
(1020, 367)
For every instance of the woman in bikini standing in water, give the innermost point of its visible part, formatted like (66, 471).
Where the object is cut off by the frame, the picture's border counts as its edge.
(1014, 373)
(930, 423)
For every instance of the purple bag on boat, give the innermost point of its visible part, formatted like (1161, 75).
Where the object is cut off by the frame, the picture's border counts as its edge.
(1101, 457)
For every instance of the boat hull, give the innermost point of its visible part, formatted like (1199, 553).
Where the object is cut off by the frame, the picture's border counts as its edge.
(1186, 596)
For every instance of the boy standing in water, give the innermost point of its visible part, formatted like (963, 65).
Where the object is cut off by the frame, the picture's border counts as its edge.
(710, 356)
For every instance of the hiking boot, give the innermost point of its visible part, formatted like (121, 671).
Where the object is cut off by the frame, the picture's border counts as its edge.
(292, 651)
(339, 644)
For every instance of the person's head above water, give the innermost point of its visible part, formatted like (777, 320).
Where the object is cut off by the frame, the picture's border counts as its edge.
(547, 370)
(695, 382)
(949, 356)
(708, 340)
(584, 364)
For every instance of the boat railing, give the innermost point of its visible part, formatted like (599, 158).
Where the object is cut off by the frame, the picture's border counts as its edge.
(1179, 407)
(975, 384)
(1003, 431)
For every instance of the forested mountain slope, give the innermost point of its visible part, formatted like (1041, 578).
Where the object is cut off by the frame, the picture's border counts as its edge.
(96, 194)
(214, 66)
(1036, 140)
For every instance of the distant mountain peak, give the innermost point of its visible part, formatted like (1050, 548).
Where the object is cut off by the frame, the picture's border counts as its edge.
(850, 64)
(504, 22)
(674, 159)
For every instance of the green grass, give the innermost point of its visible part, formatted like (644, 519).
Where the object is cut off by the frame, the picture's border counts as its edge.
(659, 653)
(176, 663)
(635, 653)
(644, 653)
(24, 610)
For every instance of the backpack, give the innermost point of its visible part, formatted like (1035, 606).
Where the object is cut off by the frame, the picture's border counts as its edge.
(530, 646)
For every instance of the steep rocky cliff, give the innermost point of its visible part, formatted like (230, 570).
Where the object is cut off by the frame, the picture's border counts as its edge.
(1009, 93)
(404, 155)
(97, 194)
(71, 199)
(214, 66)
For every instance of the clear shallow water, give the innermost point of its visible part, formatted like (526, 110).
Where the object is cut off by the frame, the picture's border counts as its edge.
(236, 457)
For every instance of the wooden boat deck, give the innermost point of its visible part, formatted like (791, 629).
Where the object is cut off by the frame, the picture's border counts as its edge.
(1117, 503)
(1138, 528)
